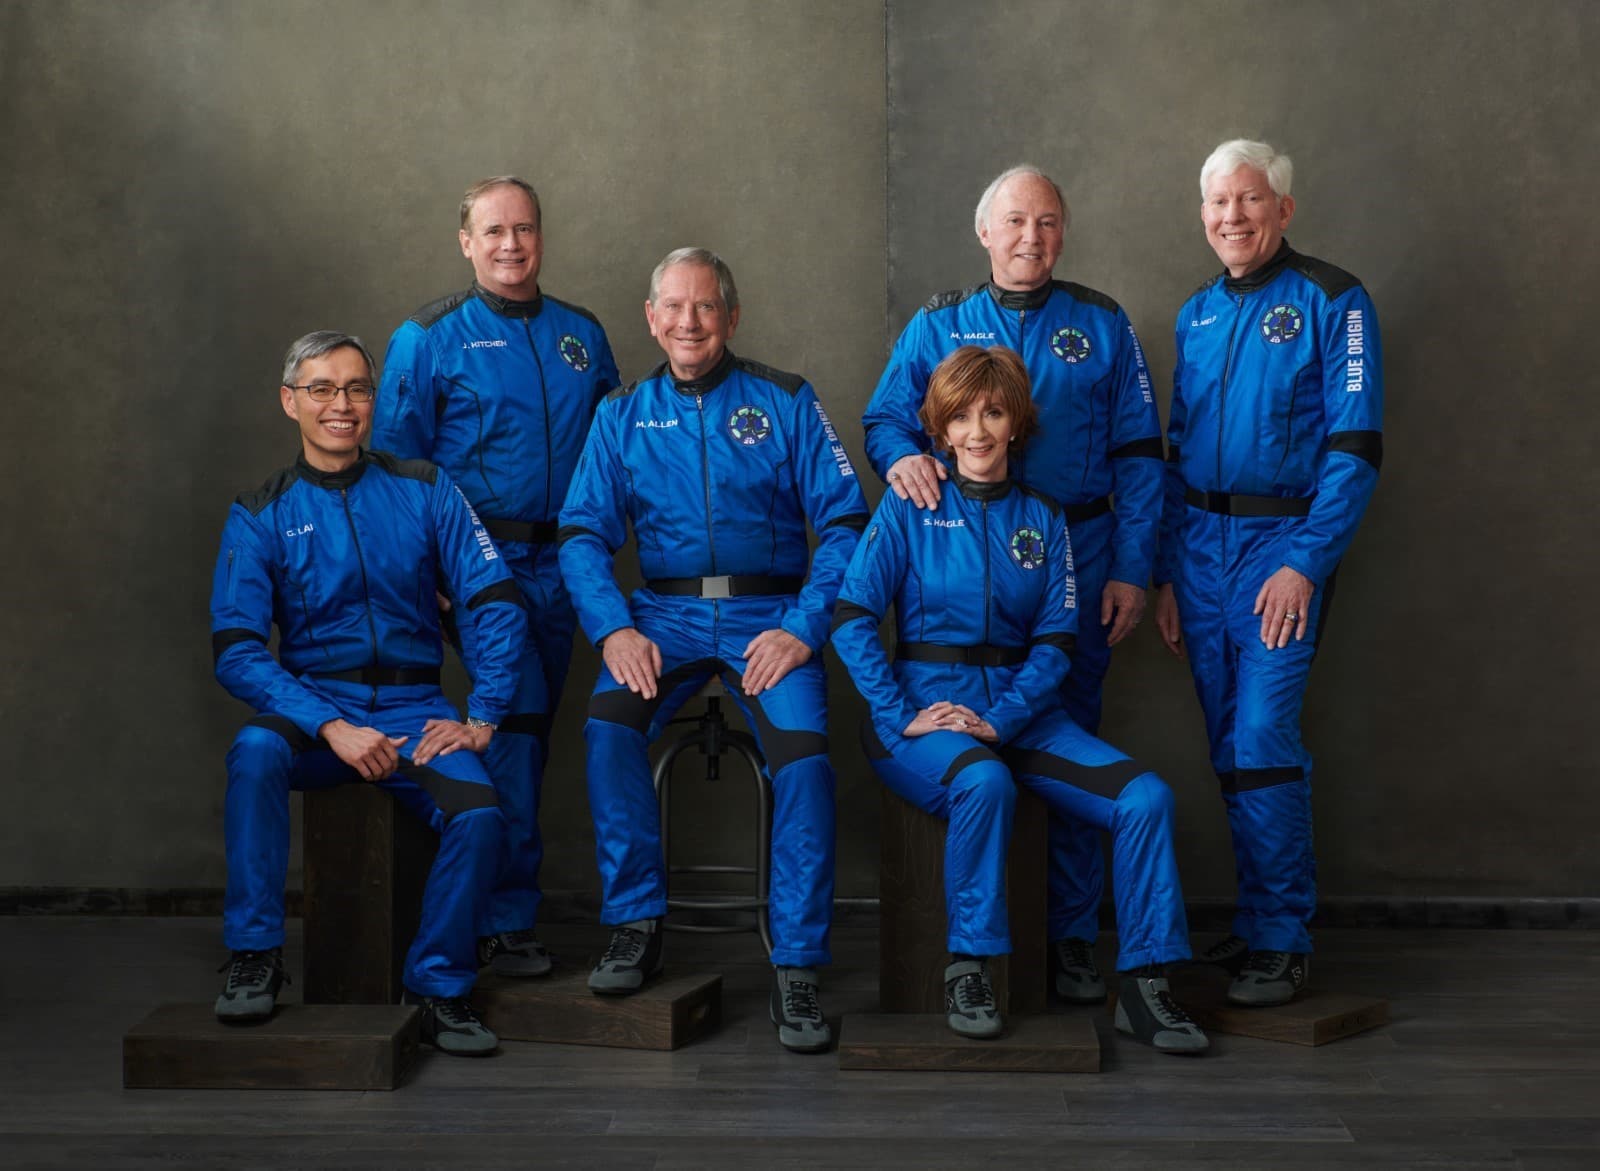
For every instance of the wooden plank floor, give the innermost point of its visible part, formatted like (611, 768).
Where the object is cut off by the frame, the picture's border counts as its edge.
(1492, 1060)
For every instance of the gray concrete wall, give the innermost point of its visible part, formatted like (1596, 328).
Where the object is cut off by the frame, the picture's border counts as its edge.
(1445, 153)
(191, 185)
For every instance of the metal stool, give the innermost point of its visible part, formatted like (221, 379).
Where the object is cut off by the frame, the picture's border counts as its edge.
(712, 736)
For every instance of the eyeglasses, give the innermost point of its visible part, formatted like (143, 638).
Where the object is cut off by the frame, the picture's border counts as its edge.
(326, 392)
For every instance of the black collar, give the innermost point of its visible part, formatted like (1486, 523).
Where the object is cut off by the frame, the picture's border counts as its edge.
(708, 381)
(505, 306)
(983, 491)
(1021, 298)
(1263, 276)
(333, 480)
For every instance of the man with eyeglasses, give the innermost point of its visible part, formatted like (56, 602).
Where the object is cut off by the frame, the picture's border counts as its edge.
(341, 551)
(497, 385)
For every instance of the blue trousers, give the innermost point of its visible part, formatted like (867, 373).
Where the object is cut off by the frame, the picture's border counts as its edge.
(700, 638)
(517, 755)
(1077, 866)
(270, 757)
(1252, 699)
(957, 777)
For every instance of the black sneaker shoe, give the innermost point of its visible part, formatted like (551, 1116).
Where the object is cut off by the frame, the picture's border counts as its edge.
(450, 1026)
(1076, 979)
(969, 1002)
(1228, 954)
(251, 989)
(632, 957)
(514, 953)
(1147, 1012)
(1269, 978)
(793, 1007)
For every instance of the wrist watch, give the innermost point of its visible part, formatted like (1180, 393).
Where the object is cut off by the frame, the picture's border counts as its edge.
(475, 722)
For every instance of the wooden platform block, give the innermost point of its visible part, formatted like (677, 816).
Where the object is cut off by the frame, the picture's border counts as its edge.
(303, 1047)
(666, 1013)
(366, 863)
(923, 1041)
(1315, 1017)
(913, 925)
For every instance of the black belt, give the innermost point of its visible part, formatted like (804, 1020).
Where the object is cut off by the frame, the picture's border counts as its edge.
(537, 532)
(972, 656)
(1088, 510)
(737, 585)
(1229, 505)
(385, 676)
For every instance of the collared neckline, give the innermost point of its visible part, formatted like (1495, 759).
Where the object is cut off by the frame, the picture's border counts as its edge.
(1021, 298)
(333, 480)
(505, 306)
(1263, 276)
(708, 381)
(983, 491)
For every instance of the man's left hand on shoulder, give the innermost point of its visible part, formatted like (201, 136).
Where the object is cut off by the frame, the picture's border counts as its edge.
(771, 655)
(442, 737)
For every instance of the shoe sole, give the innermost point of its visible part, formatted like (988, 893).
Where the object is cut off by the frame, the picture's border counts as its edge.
(989, 1033)
(445, 1049)
(621, 989)
(528, 971)
(800, 1046)
(1272, 1002)
(1081, 998)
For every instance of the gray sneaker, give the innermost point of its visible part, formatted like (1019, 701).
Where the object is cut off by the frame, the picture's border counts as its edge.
(1147, 1012)
(1269, 978)
(794, 1008)
(450, 1026)
(251, 989)
(969, 1003)
(1077, 980)
(1228, 954)
(632, 957)
(514, 953)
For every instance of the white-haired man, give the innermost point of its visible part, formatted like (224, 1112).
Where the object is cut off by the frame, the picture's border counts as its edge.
(1099, 436)
(1274, 445)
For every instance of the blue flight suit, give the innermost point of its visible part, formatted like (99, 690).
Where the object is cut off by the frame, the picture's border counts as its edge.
(500, 393)
(986, 615)
(718, 476)
(1275, 441)
(1099, 435)
(345, 565)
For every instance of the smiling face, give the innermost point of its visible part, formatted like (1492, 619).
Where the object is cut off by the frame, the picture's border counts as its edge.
(689, 320)
(504, 242)
(979, 434)
(1244, 220)
(1024, 234)
(331, 432)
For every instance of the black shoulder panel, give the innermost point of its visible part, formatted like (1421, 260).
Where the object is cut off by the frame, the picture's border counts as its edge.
(256, 502)
(629, 388)
(433, 310)
(1043, 498)
(952, 297)
(781, 378)
(410, 469)
(1088, 296)
(578, 309)
(1206, 284)
(1330, 278)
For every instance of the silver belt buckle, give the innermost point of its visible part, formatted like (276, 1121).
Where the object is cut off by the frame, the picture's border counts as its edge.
(716, 587)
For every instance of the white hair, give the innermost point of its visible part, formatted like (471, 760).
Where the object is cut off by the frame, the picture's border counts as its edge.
(1245, 152)
(980, 218)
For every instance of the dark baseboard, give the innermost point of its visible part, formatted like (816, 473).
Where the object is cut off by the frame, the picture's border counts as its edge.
(1205, 914)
